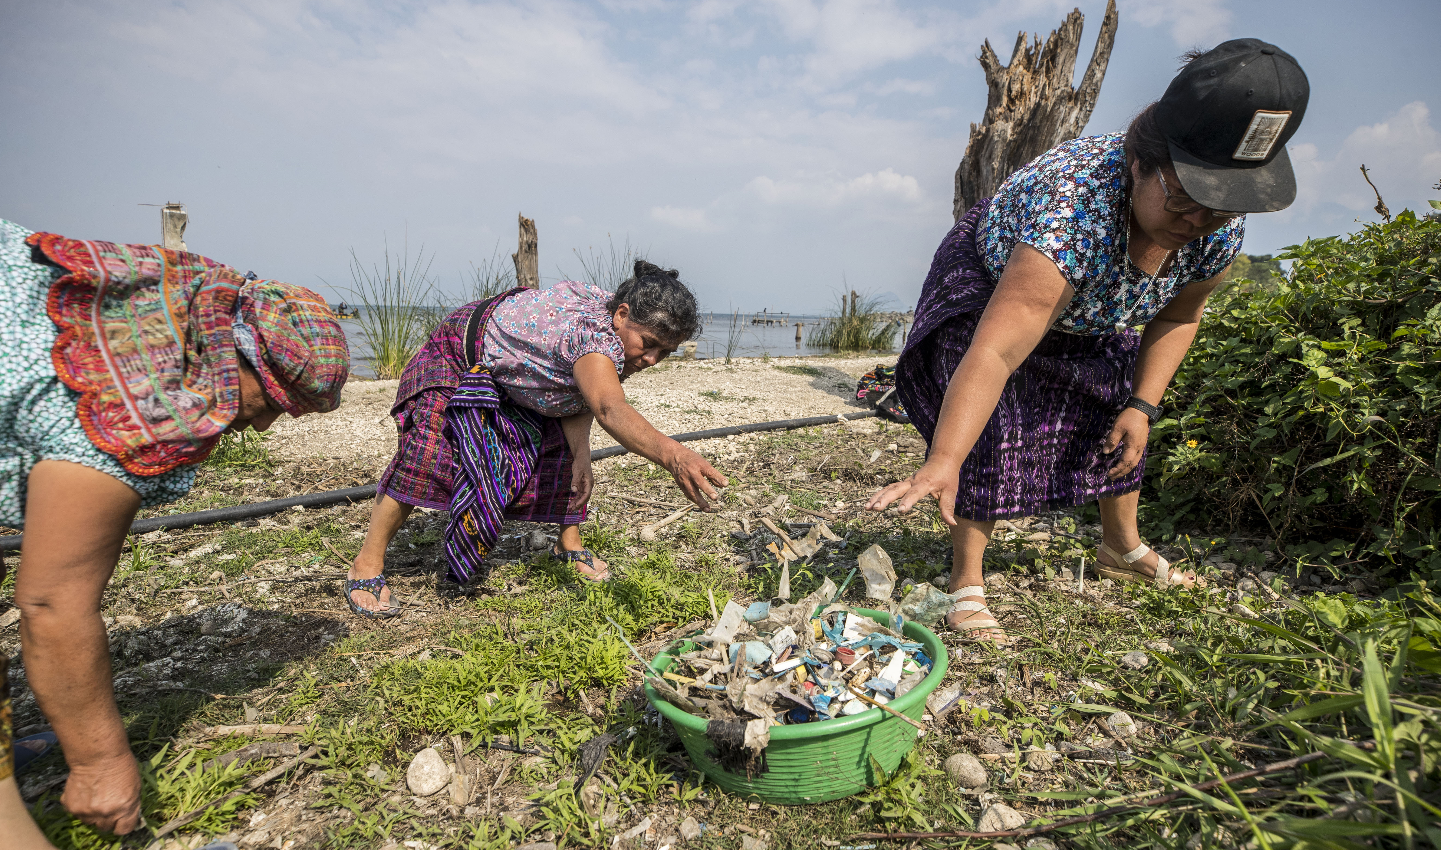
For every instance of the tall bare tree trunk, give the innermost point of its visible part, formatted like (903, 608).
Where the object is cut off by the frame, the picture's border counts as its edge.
(1032, 106)
(172, 226)
(526, 256)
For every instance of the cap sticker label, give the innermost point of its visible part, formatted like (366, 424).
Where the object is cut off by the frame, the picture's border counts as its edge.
(1261, 136)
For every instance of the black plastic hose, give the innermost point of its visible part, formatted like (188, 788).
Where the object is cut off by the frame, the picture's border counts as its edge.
(357, 494)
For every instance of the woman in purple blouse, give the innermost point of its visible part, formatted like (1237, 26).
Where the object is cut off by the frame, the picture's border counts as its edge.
(495, 415)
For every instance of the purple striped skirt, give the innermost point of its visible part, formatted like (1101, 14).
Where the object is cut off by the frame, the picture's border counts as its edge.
(1041, 449)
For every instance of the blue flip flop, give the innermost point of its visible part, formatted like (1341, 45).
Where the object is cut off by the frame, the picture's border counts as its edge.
(372, 586)
(583, 556)
(32, 747)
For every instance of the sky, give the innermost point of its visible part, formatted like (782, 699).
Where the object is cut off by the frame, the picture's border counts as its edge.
(775, 151)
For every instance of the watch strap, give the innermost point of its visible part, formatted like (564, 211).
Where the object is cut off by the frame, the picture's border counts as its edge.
(1153, 413)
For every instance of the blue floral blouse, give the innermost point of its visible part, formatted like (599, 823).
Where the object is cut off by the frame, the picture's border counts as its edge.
(1070, 204)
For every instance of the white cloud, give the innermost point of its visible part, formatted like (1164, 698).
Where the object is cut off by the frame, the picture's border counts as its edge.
(1402, 155)
(1193, 23)
(829, 191)
(684, 218)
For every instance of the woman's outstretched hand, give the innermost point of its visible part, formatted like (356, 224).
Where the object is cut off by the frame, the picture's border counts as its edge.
(932, 479)
(694, 475)
(582, 481)
(1133, 429)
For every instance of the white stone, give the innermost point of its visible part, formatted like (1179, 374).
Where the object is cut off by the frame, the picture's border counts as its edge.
(999, 817)
(1122, 724)
(427, 774)
(1136, 660)
(967, 771)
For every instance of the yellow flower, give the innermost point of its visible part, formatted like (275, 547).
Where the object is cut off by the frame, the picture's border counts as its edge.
(1190, 444)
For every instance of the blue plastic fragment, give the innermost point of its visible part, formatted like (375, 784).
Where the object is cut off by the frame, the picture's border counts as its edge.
(834, 633)
(897, 622)
(757, 611)
(756, 652)
(876, 640)
(885, 686)
(798, 715)
(923, 659)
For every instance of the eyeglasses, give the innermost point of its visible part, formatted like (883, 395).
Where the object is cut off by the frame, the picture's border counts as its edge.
(1187, 206)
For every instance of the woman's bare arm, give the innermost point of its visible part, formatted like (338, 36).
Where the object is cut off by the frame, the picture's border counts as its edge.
(76, 519)
(1164, 344)
(577, 433)
(1029, 297)
(599, 384)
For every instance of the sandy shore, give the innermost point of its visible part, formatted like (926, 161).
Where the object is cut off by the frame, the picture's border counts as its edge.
(674, 396)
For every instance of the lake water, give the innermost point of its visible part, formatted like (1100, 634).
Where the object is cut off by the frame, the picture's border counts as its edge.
(756, 339)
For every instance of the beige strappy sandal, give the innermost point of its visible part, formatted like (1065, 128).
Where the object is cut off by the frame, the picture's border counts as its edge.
(1162, 579)
(981, 619)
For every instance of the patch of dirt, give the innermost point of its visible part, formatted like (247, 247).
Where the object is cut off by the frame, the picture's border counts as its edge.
(675, 396)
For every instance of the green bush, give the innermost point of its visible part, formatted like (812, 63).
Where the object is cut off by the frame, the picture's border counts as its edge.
(1310, 408)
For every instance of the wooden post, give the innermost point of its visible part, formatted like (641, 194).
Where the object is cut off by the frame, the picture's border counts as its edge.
(1032, 106)
(172, 226)
(526, 256)
(798, 333)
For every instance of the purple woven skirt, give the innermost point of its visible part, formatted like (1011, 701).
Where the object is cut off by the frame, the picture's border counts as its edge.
(1041, 449)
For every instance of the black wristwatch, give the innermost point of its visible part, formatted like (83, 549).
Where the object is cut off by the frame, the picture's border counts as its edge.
(1153, 413)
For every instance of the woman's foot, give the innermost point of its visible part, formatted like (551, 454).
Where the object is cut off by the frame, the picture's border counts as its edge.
(1141, 564)
(569, 547)
(372, 599)
(973, 619)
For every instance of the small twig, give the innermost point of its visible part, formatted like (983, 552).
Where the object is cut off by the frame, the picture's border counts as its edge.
(648, 532)
(1277, 767)
(253, 784)
(250, 729)
(883, 707)
(222, 587)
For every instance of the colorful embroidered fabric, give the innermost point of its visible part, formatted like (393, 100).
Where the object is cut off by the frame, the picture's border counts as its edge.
(422, 471)
(1070, 204)
(38, 418)
(510, 463)
(535, 337)
(877, 388)
(146, 338)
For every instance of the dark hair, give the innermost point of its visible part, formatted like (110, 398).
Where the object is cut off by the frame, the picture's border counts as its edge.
(1145, 144)
(659, 301)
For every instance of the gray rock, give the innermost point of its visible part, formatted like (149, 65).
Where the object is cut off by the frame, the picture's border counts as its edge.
(967, 771)
(1268, 576)
(1042, 760)
(749, 842)
(537, 540)
(998, 817)
(996, 581)
(1122, 724)
(690, 829)
(427, 774)
(1162, 646)
(1246, 585)
(1136, 660)
(941, 581)
(993, 746)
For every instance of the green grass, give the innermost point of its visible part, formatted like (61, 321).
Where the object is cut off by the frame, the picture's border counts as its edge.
(397, 312)
(528, 661)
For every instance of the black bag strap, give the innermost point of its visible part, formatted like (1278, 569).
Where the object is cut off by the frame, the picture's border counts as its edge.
(472, 330)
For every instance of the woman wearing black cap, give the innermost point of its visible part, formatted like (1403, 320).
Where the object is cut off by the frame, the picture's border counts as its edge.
(1025, 371)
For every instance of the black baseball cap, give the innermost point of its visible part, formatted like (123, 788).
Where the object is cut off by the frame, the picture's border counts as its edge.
(1227, 117)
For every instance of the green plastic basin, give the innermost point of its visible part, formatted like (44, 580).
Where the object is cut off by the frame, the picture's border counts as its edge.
(815, 762)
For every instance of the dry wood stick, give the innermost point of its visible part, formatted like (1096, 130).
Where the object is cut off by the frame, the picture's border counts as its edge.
(648, 532)
(250, 729)
(1277, 767)
(253, 784)
(883, 707)
(639, 501)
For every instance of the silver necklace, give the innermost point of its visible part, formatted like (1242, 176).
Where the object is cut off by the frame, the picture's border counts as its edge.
(1165, 258)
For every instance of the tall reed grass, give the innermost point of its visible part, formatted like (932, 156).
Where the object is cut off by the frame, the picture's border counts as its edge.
(858, 325)
(398, 309)
(610, 266)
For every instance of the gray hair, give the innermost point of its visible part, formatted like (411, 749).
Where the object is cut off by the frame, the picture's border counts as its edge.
(659, 301)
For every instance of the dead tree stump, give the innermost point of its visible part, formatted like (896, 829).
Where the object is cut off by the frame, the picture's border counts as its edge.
(1032, 106)
(526, 256)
